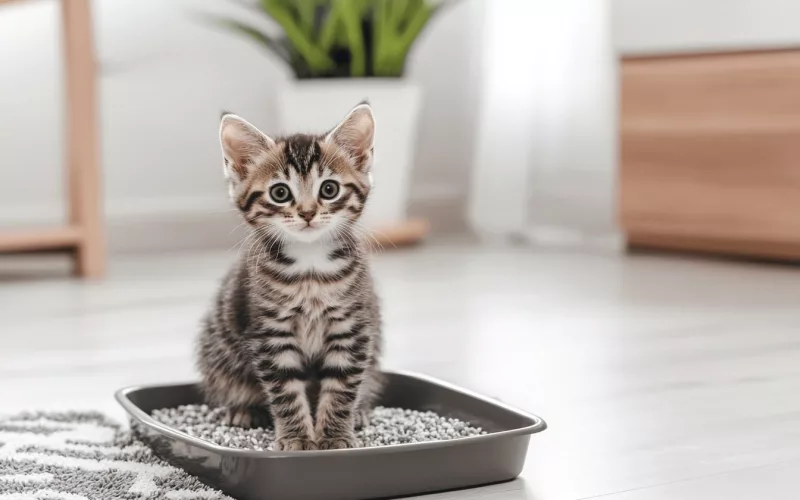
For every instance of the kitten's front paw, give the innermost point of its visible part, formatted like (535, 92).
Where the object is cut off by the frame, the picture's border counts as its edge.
(338, 442)
(294, 444)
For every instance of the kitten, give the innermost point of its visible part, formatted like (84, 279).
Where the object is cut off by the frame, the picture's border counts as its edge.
(296, 324)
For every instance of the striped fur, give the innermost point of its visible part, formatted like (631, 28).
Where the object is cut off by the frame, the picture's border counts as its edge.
(295, 328)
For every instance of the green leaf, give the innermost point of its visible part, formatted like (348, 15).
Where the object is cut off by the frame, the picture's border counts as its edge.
(381, 32)
(330, 30)
(306, 10)
(350, 14)
(411, 7)
(415, 25)
(317, 59)
(401, 44)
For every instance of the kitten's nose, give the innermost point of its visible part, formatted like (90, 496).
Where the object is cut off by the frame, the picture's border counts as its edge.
(306, 216)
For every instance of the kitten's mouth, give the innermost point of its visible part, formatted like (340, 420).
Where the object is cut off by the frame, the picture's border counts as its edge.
(308, 232)
(310, 228)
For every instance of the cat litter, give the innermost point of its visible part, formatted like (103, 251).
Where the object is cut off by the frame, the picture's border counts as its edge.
(387, 426)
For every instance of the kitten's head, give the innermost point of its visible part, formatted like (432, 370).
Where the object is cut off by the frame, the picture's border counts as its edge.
(300, 187)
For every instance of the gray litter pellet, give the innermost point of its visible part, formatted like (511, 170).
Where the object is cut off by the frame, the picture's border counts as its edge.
(387, 426)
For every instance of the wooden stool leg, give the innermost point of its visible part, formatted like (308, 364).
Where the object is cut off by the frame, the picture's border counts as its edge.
(83, 170)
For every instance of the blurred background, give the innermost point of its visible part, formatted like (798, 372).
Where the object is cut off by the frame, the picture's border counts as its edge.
(589, 209)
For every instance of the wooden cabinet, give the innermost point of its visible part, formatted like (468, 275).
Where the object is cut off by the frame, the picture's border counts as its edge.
(710, 153)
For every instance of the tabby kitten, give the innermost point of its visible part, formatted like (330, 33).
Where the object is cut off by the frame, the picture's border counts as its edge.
(296, 325)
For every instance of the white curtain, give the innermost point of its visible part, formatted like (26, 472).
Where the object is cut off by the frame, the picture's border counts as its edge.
(545, 154)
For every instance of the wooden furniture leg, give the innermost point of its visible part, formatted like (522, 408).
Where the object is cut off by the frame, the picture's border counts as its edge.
(83, 171)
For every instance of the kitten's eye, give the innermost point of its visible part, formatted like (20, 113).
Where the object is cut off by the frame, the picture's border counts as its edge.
(329, 190)
(280, 193)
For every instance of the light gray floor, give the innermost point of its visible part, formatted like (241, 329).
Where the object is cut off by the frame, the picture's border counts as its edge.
(661, 378)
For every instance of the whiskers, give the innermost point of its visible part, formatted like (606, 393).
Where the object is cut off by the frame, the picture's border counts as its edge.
(237, 227)
(240, 244)
(259, 242)
(264, 246)
(352, 234)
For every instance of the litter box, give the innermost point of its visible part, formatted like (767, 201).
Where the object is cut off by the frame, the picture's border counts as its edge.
(360, 473)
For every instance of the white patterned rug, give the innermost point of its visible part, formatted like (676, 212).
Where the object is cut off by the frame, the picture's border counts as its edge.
(85, 456)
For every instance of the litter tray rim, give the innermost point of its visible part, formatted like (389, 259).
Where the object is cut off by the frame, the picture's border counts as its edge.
(143, 418)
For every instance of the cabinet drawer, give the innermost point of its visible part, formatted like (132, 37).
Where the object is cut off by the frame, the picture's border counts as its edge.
(713, 184)
(711, 88)
(710, 147)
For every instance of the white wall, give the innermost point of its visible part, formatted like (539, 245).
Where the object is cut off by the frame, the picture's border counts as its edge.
(657, 26)
(164, 79)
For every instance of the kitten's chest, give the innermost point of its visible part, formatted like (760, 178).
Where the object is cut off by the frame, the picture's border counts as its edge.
(310, 334)
(311, 298)
(310, 257)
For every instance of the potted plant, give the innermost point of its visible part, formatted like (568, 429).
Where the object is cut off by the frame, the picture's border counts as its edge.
(343, 52)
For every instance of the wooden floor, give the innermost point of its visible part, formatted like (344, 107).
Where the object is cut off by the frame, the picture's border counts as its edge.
(661, 378)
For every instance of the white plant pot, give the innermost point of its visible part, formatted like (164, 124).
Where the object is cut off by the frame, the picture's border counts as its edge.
(316, 106)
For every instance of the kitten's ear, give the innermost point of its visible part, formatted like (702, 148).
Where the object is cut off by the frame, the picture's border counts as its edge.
(356, 135)
(243, 146)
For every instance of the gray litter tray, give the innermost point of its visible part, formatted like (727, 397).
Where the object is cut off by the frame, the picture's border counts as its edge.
(387, 471)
